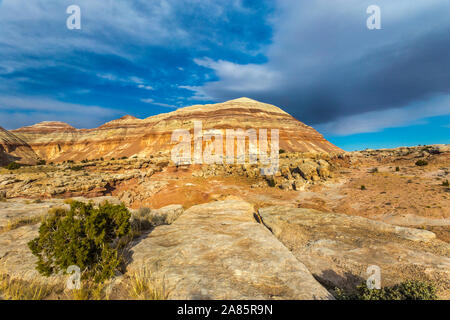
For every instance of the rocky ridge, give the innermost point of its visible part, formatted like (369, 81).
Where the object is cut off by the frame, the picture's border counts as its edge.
(129, 136)
(12, 148)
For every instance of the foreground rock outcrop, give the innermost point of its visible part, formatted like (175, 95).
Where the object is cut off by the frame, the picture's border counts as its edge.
(338, 248)
(223, 250)
(218, 251)
(129, 136)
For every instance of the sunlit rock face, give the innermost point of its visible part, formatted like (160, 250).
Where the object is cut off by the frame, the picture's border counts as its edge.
(13, 148)
(129, 136)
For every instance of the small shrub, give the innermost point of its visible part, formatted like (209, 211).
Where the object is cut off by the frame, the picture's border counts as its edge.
(83, 236)
(271, 182)
(282, 151)
(363, 187)
(76, 168)
(407, 290)
(445, 183)
(374, 170)
(421, 163)
(41, 163)
(69, 201)
(397, 169)
(13, 166)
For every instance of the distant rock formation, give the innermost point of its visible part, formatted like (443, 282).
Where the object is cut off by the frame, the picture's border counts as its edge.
(129, 136)
(13, 148)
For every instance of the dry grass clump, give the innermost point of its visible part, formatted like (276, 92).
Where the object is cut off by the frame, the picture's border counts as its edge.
(16, 289)
(17, 223)
(144, 286)
(90, 291)
(25, 221)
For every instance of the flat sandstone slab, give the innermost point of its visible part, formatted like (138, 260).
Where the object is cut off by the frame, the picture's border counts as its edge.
(338, 248)
(16, 259)
(218, 251)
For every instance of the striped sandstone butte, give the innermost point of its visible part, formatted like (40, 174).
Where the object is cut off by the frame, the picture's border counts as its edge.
(13, 148)
(130, 136)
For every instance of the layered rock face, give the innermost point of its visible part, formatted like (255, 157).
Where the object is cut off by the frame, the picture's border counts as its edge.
(129, 136)
(13, 148)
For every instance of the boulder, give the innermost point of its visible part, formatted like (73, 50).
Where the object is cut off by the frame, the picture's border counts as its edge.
(168, 214)
(299, 185)
(307, 169)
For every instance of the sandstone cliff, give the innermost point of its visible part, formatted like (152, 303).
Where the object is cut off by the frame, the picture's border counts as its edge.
(129, 136)
(14, 149)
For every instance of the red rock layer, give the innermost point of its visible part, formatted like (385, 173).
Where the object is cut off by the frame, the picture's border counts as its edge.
(129, 136)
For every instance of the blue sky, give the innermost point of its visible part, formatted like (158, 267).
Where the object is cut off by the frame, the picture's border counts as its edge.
(315, 59)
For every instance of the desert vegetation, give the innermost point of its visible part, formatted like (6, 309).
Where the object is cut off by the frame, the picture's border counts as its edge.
(142, 285)
(17, 289)
(407, 290)
(421, 163)
(13, 166)
(84, 236)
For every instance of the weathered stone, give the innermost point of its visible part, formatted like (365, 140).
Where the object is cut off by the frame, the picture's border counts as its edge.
(415, 234)
(286, 172)
(338, 248)
(168, 214)
(287, 185)
(12, 148)
(299, 185)
(307, 169)
(218, 251)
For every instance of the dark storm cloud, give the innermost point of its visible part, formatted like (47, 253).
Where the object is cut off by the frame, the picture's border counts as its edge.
(325, 65)
(315, 59)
